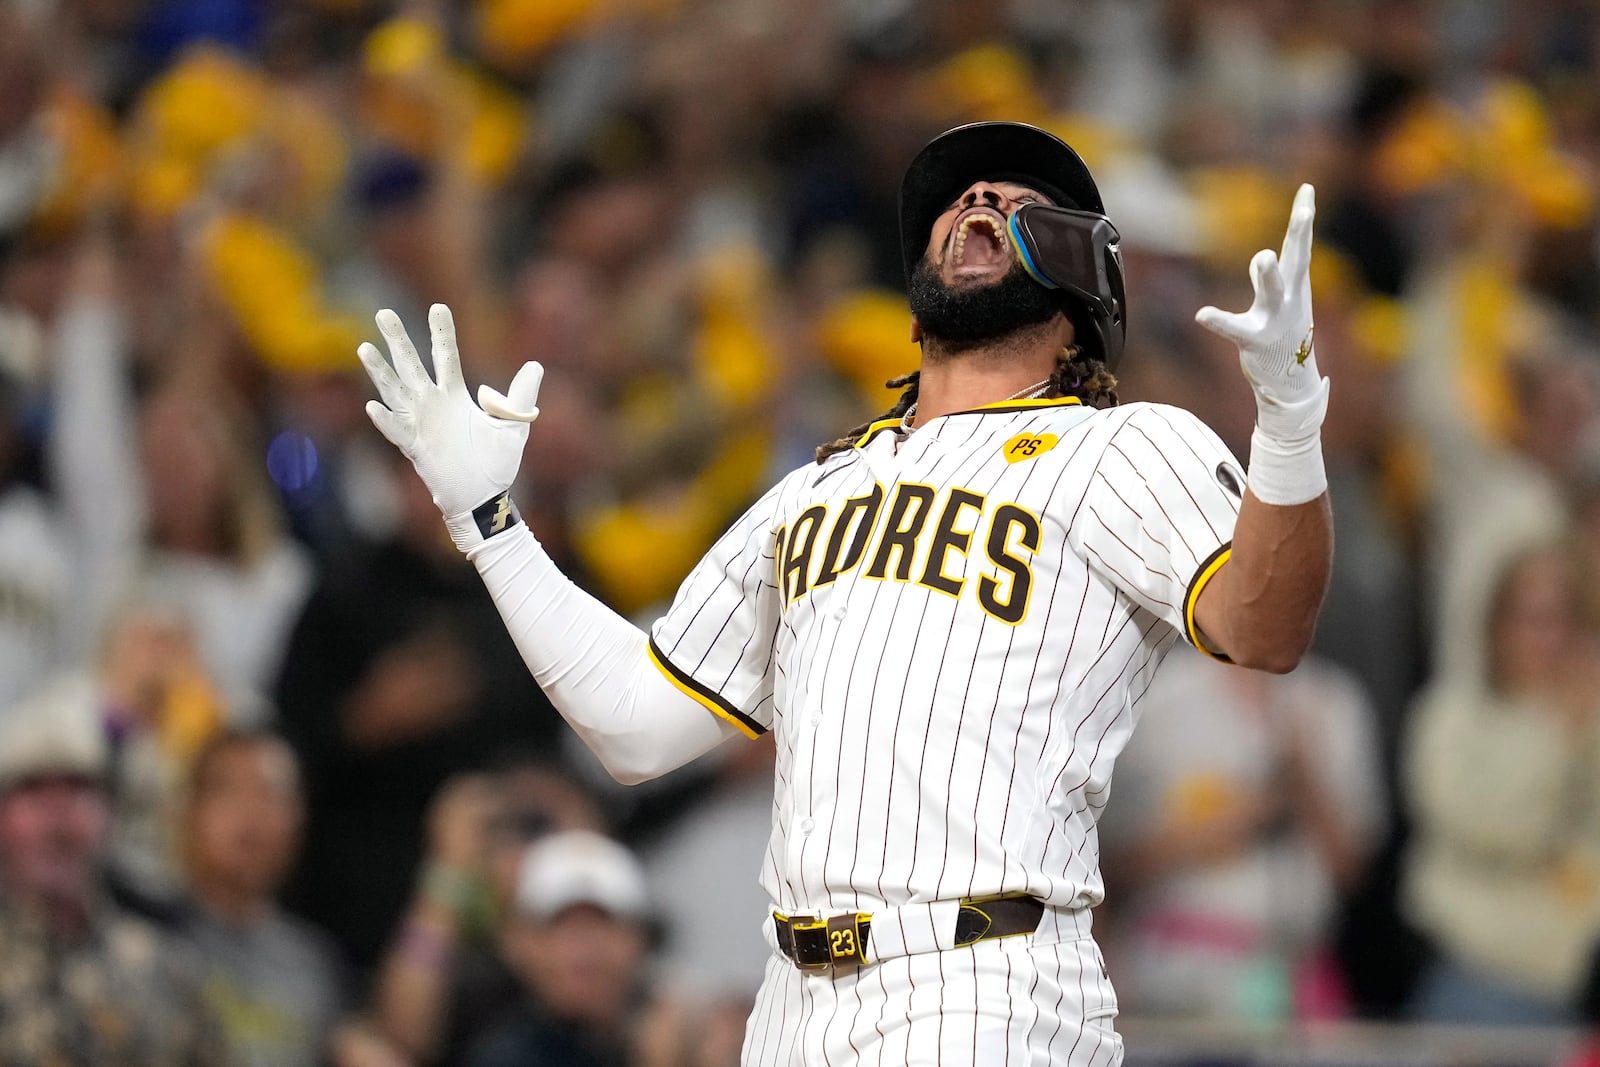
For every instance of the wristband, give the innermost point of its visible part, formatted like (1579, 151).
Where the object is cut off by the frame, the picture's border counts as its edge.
(428, 949)
(1286, 466)
(494, 516)
(1286, 473)
(450, 887)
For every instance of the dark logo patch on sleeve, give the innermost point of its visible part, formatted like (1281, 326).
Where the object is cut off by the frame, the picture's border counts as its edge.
(1231, 480)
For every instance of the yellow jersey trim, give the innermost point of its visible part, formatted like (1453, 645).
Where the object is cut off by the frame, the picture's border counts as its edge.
(1208, 570)
(875, 428)
(712, 702)
(1023, 405)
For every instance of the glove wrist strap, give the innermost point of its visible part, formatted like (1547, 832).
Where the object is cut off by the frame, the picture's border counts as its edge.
(1288, 416)
(494, 516)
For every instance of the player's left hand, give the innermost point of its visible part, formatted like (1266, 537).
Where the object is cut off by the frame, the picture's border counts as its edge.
(466, 453)
(1275, 335)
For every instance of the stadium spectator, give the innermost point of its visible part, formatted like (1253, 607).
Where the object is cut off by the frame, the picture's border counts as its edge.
(69, 476)
(443, 983)
(218, 550)
(160, 708)
(578, 941)
(1246, 805)
(1503, 767)
(82, 982)
(273, 983)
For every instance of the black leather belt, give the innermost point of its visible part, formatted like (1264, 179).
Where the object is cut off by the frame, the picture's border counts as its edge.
(815, 944)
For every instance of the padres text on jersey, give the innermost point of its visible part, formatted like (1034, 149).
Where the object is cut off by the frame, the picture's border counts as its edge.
(958, 623)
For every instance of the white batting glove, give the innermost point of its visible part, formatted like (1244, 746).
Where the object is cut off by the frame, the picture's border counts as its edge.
(1279, 360)
(467, 454)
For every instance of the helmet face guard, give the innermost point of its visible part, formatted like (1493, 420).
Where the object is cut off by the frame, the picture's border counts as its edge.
(1069, 246)
(1079, 253)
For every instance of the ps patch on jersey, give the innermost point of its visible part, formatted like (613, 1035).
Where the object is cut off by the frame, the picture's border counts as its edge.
(1027, 445)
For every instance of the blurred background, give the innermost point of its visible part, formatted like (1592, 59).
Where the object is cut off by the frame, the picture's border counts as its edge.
(275, 788)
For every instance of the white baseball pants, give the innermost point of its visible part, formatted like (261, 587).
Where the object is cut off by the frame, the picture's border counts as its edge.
(1008, 1002)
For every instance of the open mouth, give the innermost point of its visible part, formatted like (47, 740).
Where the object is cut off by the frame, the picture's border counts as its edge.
(979, 243)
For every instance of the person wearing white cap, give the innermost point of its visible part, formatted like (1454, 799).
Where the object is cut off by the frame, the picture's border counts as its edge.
(578, 939)
(82, 981)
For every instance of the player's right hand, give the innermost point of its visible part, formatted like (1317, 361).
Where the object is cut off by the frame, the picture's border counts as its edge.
(466, 453)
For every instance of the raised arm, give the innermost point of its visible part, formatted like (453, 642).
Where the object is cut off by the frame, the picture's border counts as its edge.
(592, 663)
(92, 448)
(1261, 607)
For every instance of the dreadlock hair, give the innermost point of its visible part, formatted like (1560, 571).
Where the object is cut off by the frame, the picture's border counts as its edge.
(908, 382)
(1077, 374)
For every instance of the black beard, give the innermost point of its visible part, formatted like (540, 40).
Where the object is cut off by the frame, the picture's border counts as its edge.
(966, 318)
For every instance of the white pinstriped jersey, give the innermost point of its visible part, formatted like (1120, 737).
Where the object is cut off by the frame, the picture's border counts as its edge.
(950, 632)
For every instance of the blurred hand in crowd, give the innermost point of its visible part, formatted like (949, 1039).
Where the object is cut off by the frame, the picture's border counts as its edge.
(412, 689)
(153, 679)
(460, 821)
(535, 798)
(416, 981)
(357, 1044)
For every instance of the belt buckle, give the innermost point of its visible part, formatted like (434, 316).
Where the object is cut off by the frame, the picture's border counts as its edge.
(819, 944)
(809, 936)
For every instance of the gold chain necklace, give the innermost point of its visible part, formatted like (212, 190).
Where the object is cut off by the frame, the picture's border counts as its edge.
(1028, 392)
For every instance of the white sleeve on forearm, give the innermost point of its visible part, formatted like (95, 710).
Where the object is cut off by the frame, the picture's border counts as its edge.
(594, 665)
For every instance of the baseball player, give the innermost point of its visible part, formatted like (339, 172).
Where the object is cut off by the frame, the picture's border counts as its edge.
(948, 620)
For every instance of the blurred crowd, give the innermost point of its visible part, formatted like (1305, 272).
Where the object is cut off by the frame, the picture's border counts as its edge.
(275, 787)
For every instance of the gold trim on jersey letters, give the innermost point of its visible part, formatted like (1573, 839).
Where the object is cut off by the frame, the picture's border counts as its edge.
(945, 539)
(837, 559)
(712, 702)
(797, 559)
(903, 555)
(1021, 570)
(1208, 570)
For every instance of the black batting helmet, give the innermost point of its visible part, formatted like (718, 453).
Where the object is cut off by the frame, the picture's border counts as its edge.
(1086, 270)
